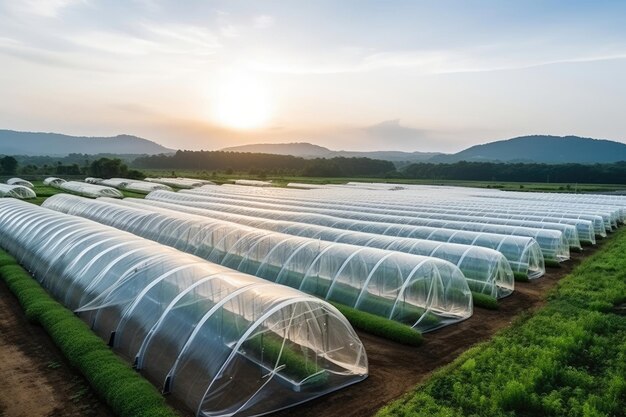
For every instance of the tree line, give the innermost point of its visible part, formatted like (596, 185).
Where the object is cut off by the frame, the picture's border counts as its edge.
(266, 164)
(614, 173)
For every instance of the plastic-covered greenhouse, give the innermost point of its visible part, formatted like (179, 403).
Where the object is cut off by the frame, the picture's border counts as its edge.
(187, 183)
(413, 217)
(554, 246)
(425, 293)
(142, 187)
(53, 181)
(19, 181)
(254, 183)
(16, 191)
(581, 230)
(523, 253)
(93, 180)
(220, 341)
(487, 270)
(88, 190)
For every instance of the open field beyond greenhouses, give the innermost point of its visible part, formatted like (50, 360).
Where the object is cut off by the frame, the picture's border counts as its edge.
(553, 345)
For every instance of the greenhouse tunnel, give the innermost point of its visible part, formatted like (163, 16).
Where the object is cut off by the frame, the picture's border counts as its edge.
(87, 190)
(16, 191)
(584, 228)
(222, 342)
(422, 292)
(553, 245)
(570, 231)
(487, 270)
(523, 254)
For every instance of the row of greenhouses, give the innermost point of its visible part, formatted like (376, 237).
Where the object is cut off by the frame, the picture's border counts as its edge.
(192, 327)
(423, 292)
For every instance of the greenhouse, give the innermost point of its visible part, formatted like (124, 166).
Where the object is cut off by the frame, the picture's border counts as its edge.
(88, 190)
(136, 186)
(93, 180)
(446, 200)
(419, 216)
(19, 181)
(16, 191)
(53, 181)
(523, 254)
(422, 292)
(254, 183)
(191, 327)
(585, 228)
(186, 183)
(554, 246)
(487, 270)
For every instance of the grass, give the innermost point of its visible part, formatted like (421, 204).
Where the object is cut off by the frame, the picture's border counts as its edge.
(568, 359)
(124, 390)
(380, 326)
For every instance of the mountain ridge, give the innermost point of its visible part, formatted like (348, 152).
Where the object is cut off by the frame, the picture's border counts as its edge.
(56, 144)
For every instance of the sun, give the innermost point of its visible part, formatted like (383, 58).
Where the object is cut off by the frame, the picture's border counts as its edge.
(242, 102)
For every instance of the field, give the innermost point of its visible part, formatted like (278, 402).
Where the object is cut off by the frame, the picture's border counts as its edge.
(554, 347)
(281, 181)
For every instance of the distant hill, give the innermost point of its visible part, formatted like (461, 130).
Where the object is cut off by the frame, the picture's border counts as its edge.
(54, 144)
(308, 150)
(542, 149)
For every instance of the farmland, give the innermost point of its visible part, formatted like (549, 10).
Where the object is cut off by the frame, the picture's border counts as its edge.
(388, 235)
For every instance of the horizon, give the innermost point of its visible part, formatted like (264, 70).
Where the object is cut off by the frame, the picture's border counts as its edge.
(366, 76)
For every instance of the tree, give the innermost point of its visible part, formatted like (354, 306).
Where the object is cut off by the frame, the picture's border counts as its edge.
(8, 165)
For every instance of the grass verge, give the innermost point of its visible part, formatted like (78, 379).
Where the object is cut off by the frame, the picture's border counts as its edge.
(124, 390)
(380, 326)
(568, 359)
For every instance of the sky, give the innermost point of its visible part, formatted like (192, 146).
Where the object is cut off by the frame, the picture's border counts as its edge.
(351, 74)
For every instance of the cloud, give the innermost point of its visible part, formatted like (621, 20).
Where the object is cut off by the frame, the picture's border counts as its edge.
(42, 8)
(446, 61)
(263, 21)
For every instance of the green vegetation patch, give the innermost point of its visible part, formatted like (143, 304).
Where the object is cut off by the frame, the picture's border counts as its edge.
(484, 301)
(380, 326)
(124, 390)
(569, 359)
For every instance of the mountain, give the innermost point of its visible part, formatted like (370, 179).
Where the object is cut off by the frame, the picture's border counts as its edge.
(308, 150)
(54, 144)
(542, 149)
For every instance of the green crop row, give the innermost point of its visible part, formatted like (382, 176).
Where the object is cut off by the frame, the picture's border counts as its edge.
(380, 326)
(124, 390)
(568, 359)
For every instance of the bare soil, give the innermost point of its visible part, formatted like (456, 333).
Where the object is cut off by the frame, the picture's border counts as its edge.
(38, 381)
(36, 378)
(396, 369)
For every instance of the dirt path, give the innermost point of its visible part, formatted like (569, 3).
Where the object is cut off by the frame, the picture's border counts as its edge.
(395, 369)
(37, 381)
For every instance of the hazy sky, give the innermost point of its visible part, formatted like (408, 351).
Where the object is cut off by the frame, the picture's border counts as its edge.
(359, 75)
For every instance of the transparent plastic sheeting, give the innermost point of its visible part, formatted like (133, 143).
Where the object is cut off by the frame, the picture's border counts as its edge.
(569, 231)
(425, 293)
(88, 190)
(16, 191)
(578, 203)
(552, 242)
(53, 181)
(19, 181)
(584, 227)
(220, 341)
(254, 183)
(142, 187)
(487, 270)
(93, 180)
(186, 183)
(523, 253)
(435, 201)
